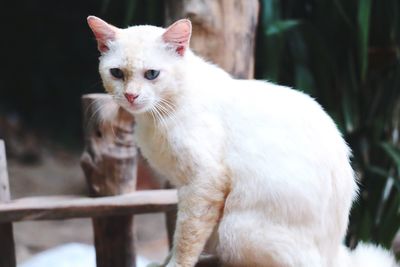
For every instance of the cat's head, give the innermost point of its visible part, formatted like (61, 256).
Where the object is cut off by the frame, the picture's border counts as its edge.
(140, 66)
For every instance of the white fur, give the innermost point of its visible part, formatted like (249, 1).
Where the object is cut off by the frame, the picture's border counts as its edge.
(291, 185)
(367, 255)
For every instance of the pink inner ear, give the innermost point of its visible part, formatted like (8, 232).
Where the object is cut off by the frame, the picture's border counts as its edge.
(103, 32)
(178, 35)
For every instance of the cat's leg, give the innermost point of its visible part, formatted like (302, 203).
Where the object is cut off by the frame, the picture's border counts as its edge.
(248, 240)
(199, 210)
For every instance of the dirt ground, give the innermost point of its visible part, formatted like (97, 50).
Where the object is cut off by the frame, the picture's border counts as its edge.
(60, 173)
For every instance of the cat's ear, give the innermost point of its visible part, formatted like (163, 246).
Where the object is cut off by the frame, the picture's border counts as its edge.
(103, 32)
(178, 35)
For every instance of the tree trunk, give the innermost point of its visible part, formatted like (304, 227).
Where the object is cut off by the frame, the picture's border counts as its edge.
(7, 252)
(109, 162)
(223, 31)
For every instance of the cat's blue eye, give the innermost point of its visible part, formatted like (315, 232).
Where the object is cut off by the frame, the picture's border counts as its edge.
(151, 74)
(117, 73)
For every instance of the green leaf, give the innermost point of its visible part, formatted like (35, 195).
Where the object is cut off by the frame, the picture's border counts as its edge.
(391, 222)
(351, 97)
(364, 12)
(348, 114)
(281, 26)
(342, 12)
(270, 12)
(378, 171)
(273, 53)
(304, 79)
(395, 31)
(365, 226)
(393, 152)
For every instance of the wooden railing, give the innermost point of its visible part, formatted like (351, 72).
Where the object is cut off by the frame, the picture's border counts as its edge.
(109, 162)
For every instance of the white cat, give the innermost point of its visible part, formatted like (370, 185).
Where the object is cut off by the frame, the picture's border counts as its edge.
(260, 168)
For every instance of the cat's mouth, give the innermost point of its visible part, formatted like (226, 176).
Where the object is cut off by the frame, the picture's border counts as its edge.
(135, 107)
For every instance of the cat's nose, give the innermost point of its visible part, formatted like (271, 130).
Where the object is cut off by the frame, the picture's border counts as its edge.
(130, 97)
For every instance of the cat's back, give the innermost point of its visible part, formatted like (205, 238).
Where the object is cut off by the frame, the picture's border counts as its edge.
(269, 122)
(268, 107)
(281, 133)
(275, 101)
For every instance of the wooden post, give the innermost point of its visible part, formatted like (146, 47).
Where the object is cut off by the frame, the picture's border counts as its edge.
(7, 250)
(109, 162)
(170, 220)
(223, 31)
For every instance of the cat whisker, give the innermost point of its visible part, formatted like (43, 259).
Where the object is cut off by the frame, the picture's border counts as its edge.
(164, 110)
(98, 108)
(169, 109)
(116, 98)
(154, 121)
(161, 117)
(102, 120)
(160, 121)
(167, 102)
(96, 103)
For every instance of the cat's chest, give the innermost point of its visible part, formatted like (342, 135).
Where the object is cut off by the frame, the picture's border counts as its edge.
(181, 151)
(166, 152)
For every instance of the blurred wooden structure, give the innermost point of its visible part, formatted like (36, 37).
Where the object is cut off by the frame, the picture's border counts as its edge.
(224, 31)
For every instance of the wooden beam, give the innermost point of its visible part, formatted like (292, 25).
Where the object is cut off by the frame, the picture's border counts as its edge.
(68, 207)
(7, 249)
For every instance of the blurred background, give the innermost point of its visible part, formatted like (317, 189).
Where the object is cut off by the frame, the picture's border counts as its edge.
(346, 54)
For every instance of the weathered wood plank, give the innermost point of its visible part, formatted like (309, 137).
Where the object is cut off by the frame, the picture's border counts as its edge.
(68, 207)
(7, 250)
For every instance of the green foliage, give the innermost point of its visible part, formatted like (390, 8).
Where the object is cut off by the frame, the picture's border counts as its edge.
(364, 11)
(347, 55)
(280, 26)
